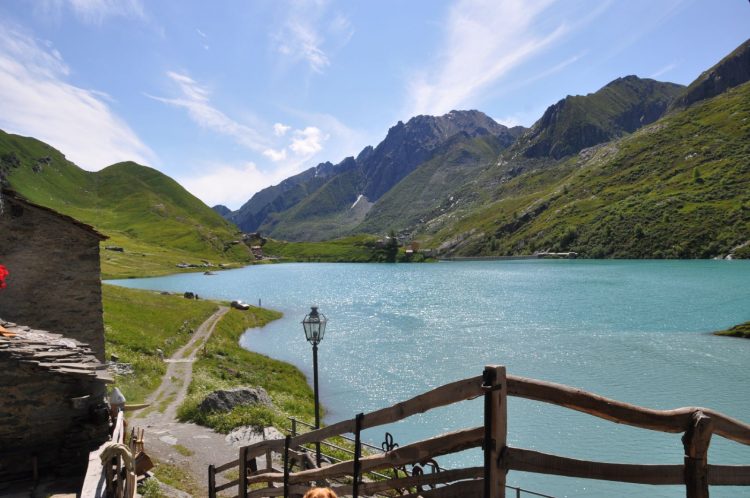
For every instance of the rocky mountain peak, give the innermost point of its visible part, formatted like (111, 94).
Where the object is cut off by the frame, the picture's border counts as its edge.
(731, 71)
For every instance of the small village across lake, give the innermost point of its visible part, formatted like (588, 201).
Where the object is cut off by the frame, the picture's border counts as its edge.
(636, 331)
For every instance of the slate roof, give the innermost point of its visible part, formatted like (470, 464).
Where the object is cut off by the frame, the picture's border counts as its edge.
(49, 352)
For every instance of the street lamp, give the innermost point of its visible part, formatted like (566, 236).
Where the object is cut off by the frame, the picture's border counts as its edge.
(315, 328)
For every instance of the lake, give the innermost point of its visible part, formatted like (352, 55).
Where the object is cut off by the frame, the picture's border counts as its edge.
(636, 331)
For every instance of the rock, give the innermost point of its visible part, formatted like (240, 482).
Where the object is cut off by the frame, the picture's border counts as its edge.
(247, 435)
(225, 400)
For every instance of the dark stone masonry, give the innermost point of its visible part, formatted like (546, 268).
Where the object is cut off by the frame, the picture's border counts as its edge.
(53, 411)
(55, 280)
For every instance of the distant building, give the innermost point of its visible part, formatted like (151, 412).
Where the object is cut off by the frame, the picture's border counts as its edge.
(55, 274)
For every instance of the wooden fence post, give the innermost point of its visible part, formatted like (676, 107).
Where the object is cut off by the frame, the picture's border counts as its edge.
(269, 466)
(696, 440)
(211, 481)
(243, 473)
(496, 429)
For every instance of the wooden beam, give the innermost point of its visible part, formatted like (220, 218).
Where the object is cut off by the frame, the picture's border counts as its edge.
(411, 453)
(458, 490)
(243, 473)
(442, 477)
(696, 441)
(441, 396)
(227, 466)
(543, 463)
(496, 429)
(212, 481)
(729, 475)
(677, 420)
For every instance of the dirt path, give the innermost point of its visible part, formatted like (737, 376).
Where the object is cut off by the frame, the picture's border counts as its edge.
(188, 446)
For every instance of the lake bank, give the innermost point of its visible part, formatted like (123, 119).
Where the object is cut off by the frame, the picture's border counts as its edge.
(741, 330)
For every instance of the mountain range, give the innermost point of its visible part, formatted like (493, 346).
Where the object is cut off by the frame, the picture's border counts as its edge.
(465, 185)
(637, 169)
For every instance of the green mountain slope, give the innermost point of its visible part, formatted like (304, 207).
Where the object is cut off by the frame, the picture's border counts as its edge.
(679, 188)
(580, 121)
(155, 220)
(433, 188)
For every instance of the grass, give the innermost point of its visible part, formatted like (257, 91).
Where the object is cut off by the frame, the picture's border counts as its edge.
(225, 364)
(154, 219)
(638, 197)
(139, 322)
(175, 476)
(353, 249)
(741, 330)
(183, 450)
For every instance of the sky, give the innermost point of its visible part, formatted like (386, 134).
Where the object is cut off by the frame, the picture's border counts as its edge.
(230, 97)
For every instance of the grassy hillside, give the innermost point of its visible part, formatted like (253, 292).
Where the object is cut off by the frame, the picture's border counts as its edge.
(155, 220)
(679, 188)
(355, 248)
(434, 187)
(580, 121)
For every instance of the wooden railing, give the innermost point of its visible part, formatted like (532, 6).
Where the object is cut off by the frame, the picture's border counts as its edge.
(111, 468)
(488, 480)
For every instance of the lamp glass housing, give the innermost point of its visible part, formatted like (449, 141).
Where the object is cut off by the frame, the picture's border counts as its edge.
(315, 326)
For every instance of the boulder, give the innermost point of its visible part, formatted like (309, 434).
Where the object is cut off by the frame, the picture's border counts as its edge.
(226, 399)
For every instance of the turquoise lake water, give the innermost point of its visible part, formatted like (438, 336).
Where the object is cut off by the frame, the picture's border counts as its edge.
(636, 331)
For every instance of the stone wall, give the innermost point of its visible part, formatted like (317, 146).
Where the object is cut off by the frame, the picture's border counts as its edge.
(39, 420)
(52, 404)
(54, 282)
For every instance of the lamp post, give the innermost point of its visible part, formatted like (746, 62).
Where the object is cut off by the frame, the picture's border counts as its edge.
(315, 328)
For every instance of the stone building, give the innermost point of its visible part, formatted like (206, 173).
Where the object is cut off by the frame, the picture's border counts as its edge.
(52, 384)
(52, 404)
(55, 280)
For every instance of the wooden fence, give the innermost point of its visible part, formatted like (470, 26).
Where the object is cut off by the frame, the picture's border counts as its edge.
(488, 480)
(111, 468)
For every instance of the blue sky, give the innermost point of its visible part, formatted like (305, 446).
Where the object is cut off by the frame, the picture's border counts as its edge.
(229, 97)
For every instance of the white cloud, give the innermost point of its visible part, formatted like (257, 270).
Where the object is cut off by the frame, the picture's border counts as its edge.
(280, 129)
(484, 41)
(196, 100)
(37, 101)
(300, 41)
(275, 155)
(308, 142)
(94, 11)
(663, 70)
(310, 35)
(233, 184)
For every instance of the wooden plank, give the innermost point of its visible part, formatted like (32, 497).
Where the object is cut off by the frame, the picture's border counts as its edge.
(243, 473)
(544, 463)
(497, 426)
(93, 482)
(729, 475)
(411, 453)
(441, 396)
(441, 477)
(227, 466)
(227, 485)
(677, 420)
(461, 489)
(212, 481)
(696, 441)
